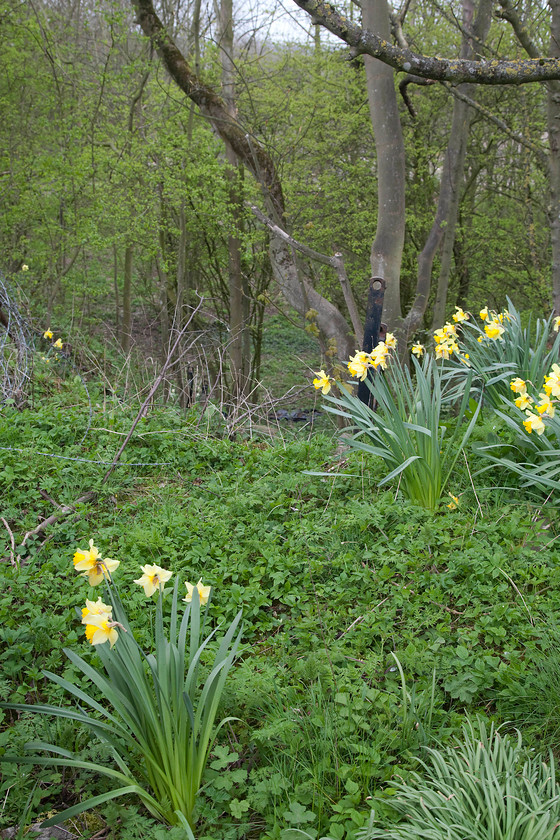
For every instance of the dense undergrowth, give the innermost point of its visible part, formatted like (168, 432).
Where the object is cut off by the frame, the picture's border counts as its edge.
(371, 624)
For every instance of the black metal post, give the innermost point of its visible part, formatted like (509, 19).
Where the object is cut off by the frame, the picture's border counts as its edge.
(374, 330)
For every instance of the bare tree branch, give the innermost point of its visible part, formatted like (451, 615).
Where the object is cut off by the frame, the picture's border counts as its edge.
(539, 152)
(336, 262)
(480, 72)
(508, 13)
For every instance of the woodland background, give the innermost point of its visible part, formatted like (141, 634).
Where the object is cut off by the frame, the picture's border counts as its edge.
(130, 212)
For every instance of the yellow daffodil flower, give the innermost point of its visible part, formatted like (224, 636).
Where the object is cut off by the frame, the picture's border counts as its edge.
(454, 503)
(523, 401)
(153, 578)
(89, 562)
(322, 381)
(445, 349)
(358, 365)
(101, 629)
(480, 339)
(95, 608)
(203, 592)
(545, 405)
(391, 341)
(418, 350)
(533, 423)
(518, 385)
(25, 267)
(47, 334)
(494, 330)
(379, 354)
(552, 381)
(447, 332)
(483, 314)
(556, 323)
(460, 315)
(58, 344)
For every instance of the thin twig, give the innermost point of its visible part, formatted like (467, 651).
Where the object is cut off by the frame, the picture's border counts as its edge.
(472, 485)
(47, 498)
(64, 510)
(361, 617)
(520, 595)
(13, 542)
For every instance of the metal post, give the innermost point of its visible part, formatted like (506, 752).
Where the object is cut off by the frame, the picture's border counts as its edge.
(374, 330)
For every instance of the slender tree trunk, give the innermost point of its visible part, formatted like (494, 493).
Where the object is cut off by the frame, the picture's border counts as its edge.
(126, 322)
(553, 113)
(116, 287)
(447, 213)
(240, 364)
(509, 13)
(163, 315)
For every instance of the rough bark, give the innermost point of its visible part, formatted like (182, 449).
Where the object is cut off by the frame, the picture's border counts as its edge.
(297, 291)
(480, 72)
(387, 248)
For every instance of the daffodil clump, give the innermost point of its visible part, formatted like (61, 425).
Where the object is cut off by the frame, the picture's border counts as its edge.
(446, 339)
(158, 713)
(545, 406)
(493, 324)
(97, 616)
(497, 346)
(360, 364)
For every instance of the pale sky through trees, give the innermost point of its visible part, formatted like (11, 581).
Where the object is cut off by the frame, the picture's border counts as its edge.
(277, 20)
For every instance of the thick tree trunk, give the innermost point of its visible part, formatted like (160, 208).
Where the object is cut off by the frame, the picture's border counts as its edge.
(446, 218)
(387, 248)
(297, 291)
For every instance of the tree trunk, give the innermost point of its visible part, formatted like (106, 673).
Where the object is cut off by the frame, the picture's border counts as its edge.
(553, 114)
(387, 248)
(446, 218)
(239, 362)
(447, 213)
(126, 322)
